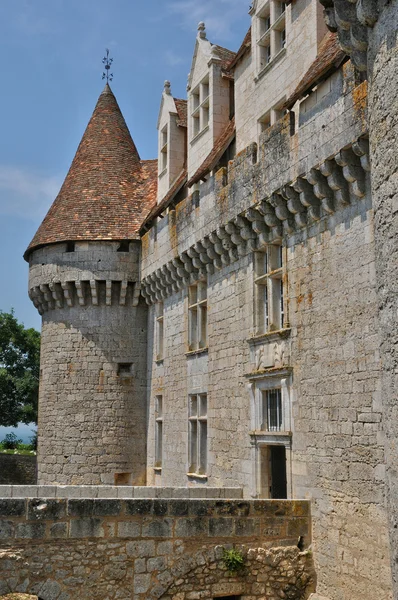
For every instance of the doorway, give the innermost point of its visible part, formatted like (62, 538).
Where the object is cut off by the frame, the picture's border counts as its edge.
(273, 472)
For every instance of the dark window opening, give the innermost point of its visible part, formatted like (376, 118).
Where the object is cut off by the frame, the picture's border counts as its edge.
(231, 99)
(124, 246)
(125, 370)
(70, 246)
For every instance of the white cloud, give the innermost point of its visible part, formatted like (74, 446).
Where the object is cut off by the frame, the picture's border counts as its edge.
(26, 194)
(219, 15)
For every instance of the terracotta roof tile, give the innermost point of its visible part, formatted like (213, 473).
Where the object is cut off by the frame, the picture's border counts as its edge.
(175, 187)
(108, 189)
(330, 55)
(220, 146)
(245, 47)
(224, 54)
(181, 106)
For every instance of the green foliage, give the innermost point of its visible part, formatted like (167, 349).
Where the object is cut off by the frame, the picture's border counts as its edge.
(234, 560)
(11, 442)
(19, 371)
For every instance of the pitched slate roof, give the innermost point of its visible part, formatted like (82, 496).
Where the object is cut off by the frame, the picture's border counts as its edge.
(330, 56)
(181, 106)
(220, 146)
(108, 190)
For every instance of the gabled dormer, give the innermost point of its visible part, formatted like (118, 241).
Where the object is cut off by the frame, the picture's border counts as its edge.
(210, 98)
(172, 135)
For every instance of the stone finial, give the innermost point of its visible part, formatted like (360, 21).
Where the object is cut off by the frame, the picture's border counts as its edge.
(167, 87)
(202, 30)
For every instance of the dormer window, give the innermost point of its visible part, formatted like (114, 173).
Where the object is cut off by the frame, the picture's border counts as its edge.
(163, 149)
(271, 38)
(200, 107)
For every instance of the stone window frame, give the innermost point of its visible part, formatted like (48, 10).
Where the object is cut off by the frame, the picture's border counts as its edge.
(197, 435)
(158, 432)
(272, 116)
(270, 307)
(197, 316)
(159, 333)
(270, 33)
(200, 107)
(163, 149)
(261, 439)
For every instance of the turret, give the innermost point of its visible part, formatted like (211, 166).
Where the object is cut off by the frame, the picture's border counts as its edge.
(84, 280)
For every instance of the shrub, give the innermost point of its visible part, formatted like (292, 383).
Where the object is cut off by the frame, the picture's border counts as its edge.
(11, 442)
(233, 559)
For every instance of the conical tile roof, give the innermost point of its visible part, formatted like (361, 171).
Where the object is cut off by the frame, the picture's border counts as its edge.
(108, 190)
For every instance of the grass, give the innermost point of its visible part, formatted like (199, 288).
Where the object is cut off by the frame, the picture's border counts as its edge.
(23, 452)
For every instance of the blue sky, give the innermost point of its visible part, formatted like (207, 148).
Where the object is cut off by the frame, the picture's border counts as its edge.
(51, 78)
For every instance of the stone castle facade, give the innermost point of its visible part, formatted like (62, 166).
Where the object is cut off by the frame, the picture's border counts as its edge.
(226, 316)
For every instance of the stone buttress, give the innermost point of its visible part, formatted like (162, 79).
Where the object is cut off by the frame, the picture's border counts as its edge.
(84, 280)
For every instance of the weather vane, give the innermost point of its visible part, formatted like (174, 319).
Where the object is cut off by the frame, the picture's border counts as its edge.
(106, 61)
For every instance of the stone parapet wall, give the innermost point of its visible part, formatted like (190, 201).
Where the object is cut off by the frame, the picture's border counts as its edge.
(17, 469)
(109, 491)
(291, 180)
(153, 548)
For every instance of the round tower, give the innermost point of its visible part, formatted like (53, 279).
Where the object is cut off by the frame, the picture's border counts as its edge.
(84, 280)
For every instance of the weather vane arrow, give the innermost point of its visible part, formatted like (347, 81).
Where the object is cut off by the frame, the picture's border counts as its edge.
(106, 61)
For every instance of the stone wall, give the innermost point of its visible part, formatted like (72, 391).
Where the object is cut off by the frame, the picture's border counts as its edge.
(327, 355)
(92, 399)
(143, 549)
(16, 469)
(383, 113)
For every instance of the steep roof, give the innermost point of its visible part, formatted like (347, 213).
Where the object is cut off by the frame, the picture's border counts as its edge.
(157, 210)
(181, 106)
(108, 190)
(224, 54)
(220, 146)
(329, 57)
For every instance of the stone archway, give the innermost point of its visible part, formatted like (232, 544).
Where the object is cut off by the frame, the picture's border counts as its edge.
(265, 572)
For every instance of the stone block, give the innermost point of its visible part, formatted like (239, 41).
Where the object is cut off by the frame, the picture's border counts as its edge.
(59, 530)
(24, 491)
(32, 531)
(103, 507)
(46, 509)
(6, 529)
(138, 507)
(140, 549)
(221, 527)
(247, 527)
(12, 507)
(157, 527)
(86, 528)
(202, 508)
(125, 491)
(178, 508)
(191, 527)
(5, 491)
(129, 529)
(160, 507)
(81, 508)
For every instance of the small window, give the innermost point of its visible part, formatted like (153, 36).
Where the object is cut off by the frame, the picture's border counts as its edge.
(158, 432)
(269, 292)
(125, 370)
(271, 410)
(271, 32)
(197, 434)
(200, 106)
(159, 330)
(163, 148)
(197, 316)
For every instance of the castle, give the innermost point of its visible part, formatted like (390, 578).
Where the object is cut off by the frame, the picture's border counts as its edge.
(225, 316)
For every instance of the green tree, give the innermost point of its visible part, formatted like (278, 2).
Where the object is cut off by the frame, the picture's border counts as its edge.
(19, 371)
